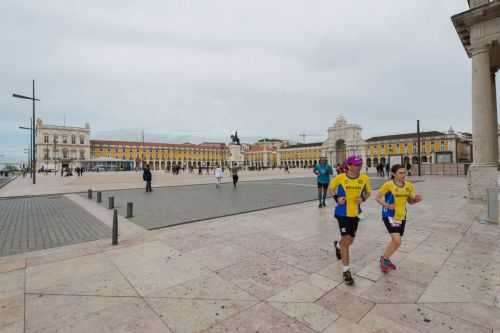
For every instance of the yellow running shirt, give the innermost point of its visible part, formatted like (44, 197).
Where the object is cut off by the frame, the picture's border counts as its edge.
(351, 189)
(397, 195)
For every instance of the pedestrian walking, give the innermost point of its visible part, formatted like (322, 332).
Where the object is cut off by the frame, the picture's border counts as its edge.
(408, 168)
(234, 173)
(323, 171)
(219, 174)
(393, 196)
(388, 170)
(148, 177)
(349, 190)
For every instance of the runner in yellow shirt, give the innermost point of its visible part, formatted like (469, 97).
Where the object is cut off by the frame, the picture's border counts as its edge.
(349, 190)
(393, 196)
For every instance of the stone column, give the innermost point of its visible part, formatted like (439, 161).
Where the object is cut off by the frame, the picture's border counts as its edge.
(483, 172)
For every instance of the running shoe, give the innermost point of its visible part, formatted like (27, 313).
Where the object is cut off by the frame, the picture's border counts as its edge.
(320, 205)
(389, 263)
(348, 278)
(383, 265)
(337, 250)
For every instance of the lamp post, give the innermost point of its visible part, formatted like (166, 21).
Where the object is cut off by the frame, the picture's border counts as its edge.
(30, 151)
(418, 147)
(33, 131)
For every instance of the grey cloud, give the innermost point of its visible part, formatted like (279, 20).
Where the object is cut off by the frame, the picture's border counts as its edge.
(270, 68)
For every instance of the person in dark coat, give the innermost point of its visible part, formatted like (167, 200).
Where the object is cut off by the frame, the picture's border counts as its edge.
(234, 172)
(148, 177)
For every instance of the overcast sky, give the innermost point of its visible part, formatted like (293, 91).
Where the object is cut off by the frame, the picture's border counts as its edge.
(194, 70)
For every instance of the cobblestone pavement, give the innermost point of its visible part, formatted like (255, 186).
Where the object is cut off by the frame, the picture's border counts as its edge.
(30, 224)
(167, 206)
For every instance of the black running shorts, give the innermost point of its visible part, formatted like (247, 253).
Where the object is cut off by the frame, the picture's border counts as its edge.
(348, 225)
(323, 186)
(395, 228)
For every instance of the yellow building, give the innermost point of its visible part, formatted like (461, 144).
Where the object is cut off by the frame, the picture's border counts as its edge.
(435, 147)
(261, 156)
(161, 156)
(300, 155)
(263, 153)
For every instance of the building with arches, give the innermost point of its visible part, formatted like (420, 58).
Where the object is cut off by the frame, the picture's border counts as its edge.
(161, 156)
(436, 147)
(344, 139)
(299, 155)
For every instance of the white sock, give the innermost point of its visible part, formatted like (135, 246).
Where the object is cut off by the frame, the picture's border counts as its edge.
(338, 245)
(345, 269)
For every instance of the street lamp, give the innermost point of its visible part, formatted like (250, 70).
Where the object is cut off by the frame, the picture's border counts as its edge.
(33, 134)
(30, 151)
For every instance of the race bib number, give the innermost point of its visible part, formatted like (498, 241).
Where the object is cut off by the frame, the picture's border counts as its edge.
(394, 222)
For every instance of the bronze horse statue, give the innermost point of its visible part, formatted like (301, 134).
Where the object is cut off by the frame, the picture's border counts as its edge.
(235, 139)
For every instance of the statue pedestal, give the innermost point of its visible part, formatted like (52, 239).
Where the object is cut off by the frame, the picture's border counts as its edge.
(236, 155)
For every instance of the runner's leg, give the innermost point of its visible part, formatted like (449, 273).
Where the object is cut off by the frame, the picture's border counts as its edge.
(345, 243)
(325, 192)
(393, 245)
(320, 195)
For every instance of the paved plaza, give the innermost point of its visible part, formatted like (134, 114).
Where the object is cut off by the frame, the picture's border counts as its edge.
(55, 184)
(272, 270)
(167, 206)
(29, 224)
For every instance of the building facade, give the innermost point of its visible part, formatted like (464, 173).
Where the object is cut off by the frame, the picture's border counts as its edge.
(435, 147)
(478, 29)
(344, 139)
(261, 156)
(299, 155)
(161, 156)
(61, 146)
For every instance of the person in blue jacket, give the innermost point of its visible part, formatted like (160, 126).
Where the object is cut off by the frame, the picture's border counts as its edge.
(323, 171)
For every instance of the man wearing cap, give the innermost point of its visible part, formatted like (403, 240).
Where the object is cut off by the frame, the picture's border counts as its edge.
(323, 170)
(349, 190)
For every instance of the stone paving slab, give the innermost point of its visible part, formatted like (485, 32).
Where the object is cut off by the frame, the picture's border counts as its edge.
(167, 281)
(30, 224)
(167, 206)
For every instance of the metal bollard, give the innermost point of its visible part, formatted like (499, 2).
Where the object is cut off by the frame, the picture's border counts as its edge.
(492, 198)
(89, 194)
(111, 202)
(99, 196)
(130, 209)
(115, 228)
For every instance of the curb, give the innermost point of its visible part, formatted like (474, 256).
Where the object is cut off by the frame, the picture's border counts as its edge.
(7, 182)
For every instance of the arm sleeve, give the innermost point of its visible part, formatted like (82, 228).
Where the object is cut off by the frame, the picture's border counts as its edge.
(412, 191)
(333, 183)
(368, 185)
(384, 188)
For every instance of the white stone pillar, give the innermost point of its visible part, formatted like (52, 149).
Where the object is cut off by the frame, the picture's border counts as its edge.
(483, 172)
